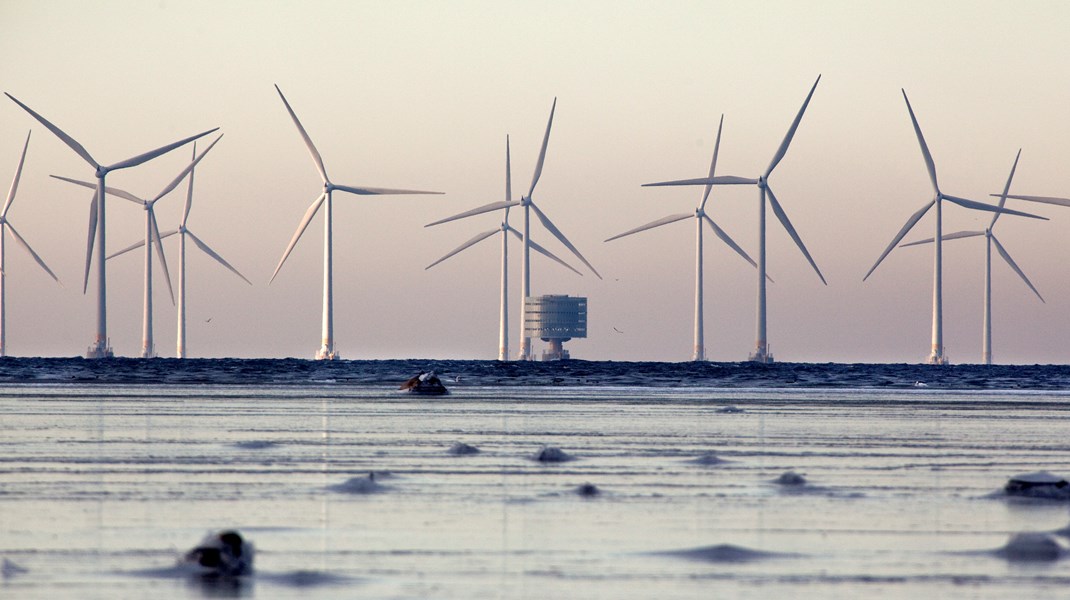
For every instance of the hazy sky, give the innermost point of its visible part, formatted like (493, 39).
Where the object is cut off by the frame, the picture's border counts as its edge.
(422, 94)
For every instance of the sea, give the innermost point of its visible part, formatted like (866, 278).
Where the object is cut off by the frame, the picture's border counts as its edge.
(573, 479)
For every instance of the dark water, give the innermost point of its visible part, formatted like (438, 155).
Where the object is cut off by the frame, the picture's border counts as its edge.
(570, 373)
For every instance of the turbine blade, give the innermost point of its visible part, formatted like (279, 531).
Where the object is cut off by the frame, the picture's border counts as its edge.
(508, 172)
(951, 236)
(561, 237)
(542, 151)
(189, 168)
(204, 247)
(157, 241)
(728, 240)
(311, 212)
(1041, 199)
(544, 252)
(26, 246)
(15, 182)
(371, 191)
(476, 211)
(1010, 261)
(982, 206)
(779, 212)
(137, 160)
(721, 180)
(791, 132)
(914, 218)
(78, 149)
(1006, 188)
(653, 224)
(89, 243)
(475, 240)
(713, 164)
(924, 147)
(189, 191)
(107, 190)
(129, 248)
(304, 136)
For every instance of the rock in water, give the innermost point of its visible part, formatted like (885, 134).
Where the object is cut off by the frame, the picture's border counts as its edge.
(790, 478)
(549, 454)
(588, 490)
(359, 485)
(462, 449)
(427, 384)
(222, 554)
(1031, 547)
(1040, 484)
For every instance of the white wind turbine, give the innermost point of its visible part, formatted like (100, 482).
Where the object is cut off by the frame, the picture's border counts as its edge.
(327, 350)
(183, 232)
(528, 204)
(937, 356)
(990, 239)
(761, 351)
(504, 229)
(101, 347)
(152, 238)
(699, 215)
(5, 224)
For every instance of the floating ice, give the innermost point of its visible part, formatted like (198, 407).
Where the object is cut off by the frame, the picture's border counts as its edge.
(1040, 484)
(222, 554)
(1031, 547)
(462, 449)
(549, 454)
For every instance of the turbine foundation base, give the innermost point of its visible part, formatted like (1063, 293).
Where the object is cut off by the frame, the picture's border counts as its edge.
(325, 354)
(99, 351)
(761, 355)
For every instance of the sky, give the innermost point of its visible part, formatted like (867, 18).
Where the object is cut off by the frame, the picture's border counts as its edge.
(421, 95)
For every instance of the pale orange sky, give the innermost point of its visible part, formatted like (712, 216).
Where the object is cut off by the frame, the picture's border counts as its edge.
(421, 95)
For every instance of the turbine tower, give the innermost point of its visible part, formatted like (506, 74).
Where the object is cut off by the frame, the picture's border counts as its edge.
(101, 347)
(183, 232)
(990, 239)
(5, 224)
(326, 351)
(504, 229)
(152, 237)
(528, 203)
(936, 356)
(765, 191)
(699, 215)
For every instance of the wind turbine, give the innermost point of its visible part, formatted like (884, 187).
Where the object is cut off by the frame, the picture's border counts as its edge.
(761, 352)
(699, 215)
(937, 356)
(101, 348)
(990, 239)
(152, 237)
(529, 205)
(5, 224)
(504, 229)
(183, 232)
(327, 350)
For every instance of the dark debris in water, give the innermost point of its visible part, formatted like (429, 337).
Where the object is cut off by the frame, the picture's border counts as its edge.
(163, 371)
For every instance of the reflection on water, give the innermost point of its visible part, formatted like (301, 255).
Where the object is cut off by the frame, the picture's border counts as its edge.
(103, 487)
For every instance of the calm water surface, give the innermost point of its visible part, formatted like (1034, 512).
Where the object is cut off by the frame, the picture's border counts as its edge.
(102, 487)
